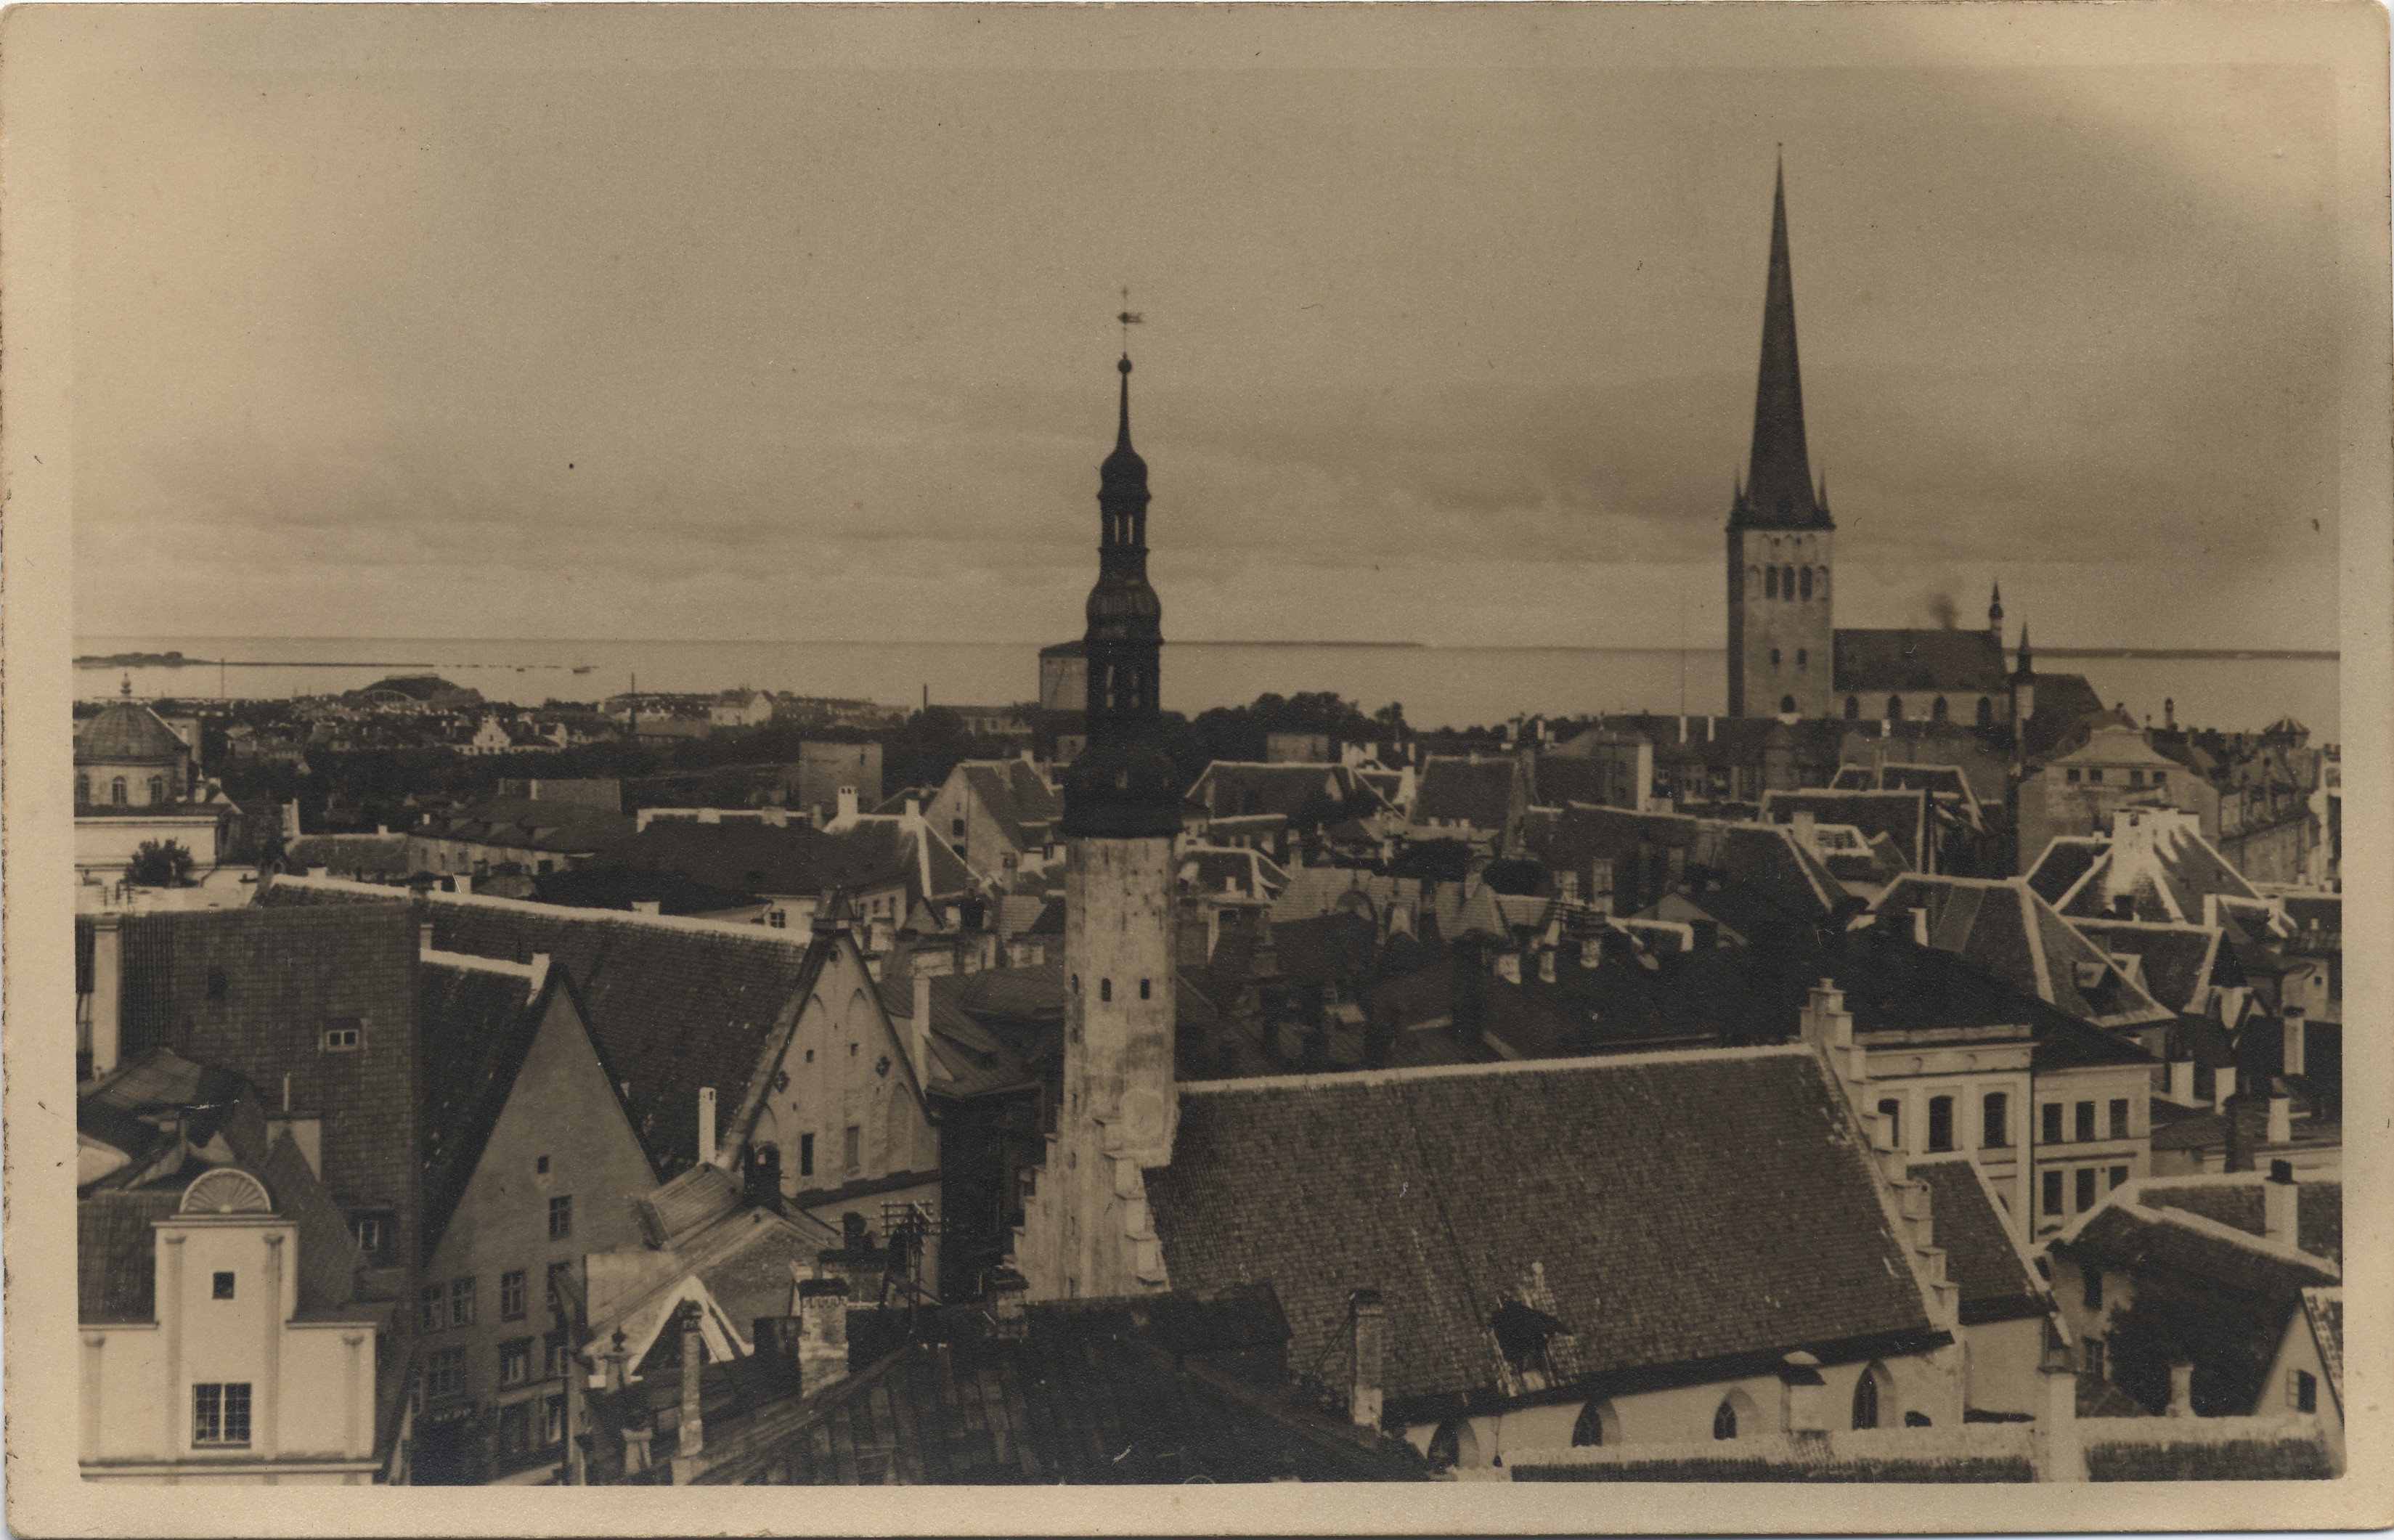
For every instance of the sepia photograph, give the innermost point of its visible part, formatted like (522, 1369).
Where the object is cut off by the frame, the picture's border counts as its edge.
(1167, 748)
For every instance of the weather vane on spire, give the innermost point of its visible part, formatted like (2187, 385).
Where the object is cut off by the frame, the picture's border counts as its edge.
(1129, 318)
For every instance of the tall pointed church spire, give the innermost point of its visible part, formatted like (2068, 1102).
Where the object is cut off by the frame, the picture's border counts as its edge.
(1779, 490)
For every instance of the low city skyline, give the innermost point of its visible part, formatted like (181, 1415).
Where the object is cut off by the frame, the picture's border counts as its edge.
(1460, 356)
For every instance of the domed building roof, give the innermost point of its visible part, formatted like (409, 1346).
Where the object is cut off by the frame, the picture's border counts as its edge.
(127, 733)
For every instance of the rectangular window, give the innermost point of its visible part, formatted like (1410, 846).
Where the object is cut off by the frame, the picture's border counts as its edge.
(2161, 777)
(2119, 1117)
(428, 1309)
(556, 1356)
(2071, 776)
(2096, 775)
(851, 1139)
(1940, 1123)
(955, 828)
(2050, 1115)
(515, 1428)
(2090, 1285)
(371, 1232)
(2085, 1184)
(444, 1375)
(344, 1034)
(2302, 1390)
(515, 1362)
(778, 920)
(2136, 778)
(220, 1415)
(511, 1296)
(461, 1302)
(2052, 1192)
(220, 1285)
(1995, 1132)
(806, 1148)
(560, 1217)
(2119, 1176)
(1890, 1113)
(2085, 1123)
(2090, 1356)
(552, 1422)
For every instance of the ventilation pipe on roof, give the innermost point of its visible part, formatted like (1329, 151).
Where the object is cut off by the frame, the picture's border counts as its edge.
(2223, 1087)
(847, 813)
(2278, 1201)
(2294, 1027)
(2181, 1082)
(107, 965)
(705, 1125)
(1546, 965)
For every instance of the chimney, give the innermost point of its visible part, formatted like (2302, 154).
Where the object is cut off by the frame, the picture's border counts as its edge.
(461, 884)
(1567, 887)
(1804, 820)
(636, 1449)
(1546, 965)
(106, 986)
(918, 1036)
(1591, 952)
(1805, 1395)
(2281, 1116)
(614, 1360)
(539, 977)
(1009, 1294)
(693, 1429)
(2169, 713)
(776, 1344)
(915, 810)
(847, 805)
(705, 1125)
(2061, 1456)
(1370, 1317)
(1920, 925)
(424, 938)
(2181, 1082)
(1826, 1021)
(647, 906)
(710, 815)
(1683, 730)
(2223, 1087)
(320, 871)
(822, 1331)
(2293, 1027)
(1509, 966)
(2181, 1401)
(2279, 1197)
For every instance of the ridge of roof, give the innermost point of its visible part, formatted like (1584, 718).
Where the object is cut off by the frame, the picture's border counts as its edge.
(2134, 1210)
(1501, 1067)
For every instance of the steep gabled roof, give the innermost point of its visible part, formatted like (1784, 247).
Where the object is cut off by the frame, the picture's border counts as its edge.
(2234, 1199)
(2179, 961)
(1452, 1191)
(1025, 806)
(2004, 928)
(1996, 1279)
(1232, 787)
(1963, 662)
(2166, 871)
(1480, 794)
(534, 823)
(1902, 816)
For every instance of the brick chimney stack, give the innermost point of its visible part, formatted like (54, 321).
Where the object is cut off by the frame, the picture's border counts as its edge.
(2279, 1198)
(822, 1331)
(2281, 1128)
(1370, 1317)
(2181, 1399)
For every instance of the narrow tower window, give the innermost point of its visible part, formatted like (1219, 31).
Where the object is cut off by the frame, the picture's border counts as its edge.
(1895, 708)
(1787, 705)
(1803, 657)
(1105, 989)
(1804, 582)
(1770, 583)
(1787, 581)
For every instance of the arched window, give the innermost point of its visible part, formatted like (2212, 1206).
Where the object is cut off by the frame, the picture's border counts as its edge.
(1986, 712)
(157, 789)
(1787, 581)
(1866, 1402)
(1453, 1444)
(1770, 583)
(1895, 708)
(1937, 709)
(116, 792)
(1804, 582)
(1853, 709)
(1725, 1417)
(1753, 579)
(1597, 1426)
(1105, 989)
(1803, 657)
(1787, 705)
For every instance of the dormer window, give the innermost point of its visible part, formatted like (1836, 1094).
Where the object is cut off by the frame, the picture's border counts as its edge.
(344, 1034)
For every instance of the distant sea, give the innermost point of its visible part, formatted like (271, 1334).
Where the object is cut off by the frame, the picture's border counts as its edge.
(1438, 686)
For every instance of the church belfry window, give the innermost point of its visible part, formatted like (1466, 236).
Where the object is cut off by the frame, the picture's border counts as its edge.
(1787, 705)
(1770, 583)
(1895, 708)
(1937, 709)
(1787, 581)
(1804, 580)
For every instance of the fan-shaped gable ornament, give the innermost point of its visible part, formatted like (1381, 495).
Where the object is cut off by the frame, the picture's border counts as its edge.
(227, 1190)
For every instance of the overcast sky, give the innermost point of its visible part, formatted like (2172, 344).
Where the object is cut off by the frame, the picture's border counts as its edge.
(1455, 355)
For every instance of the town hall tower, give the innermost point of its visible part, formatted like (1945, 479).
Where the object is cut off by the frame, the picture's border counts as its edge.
(1781, 640)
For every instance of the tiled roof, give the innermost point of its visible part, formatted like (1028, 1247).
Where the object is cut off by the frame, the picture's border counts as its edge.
(1452, 1190)
(2325, 1308)
(1078, 1398)
(1980, 1256)
(1480, 794)
(1902, 816)
(2235, 1201)
(2165, 871)
(530, 823)
(606, 886)
(1337, 948)
(2177, 960)
(1025, 806)
(2063, 702)
(673, 1005)
(1899, 660)
(1303, 793)
(127, 733)
(350, 855)
(474, 1029)
(2005, 929)
(741, 856)
(2064, 861)
(1561, 779)
(116, 1252)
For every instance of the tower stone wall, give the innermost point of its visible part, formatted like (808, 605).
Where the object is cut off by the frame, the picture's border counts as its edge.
(1783, 638)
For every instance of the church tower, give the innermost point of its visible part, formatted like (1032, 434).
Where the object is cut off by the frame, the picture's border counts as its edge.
(1781, 642)
(1085, 1231)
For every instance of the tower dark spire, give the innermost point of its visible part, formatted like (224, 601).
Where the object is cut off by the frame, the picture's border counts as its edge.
(1123, 786)
(1995, 613)
(1779, 492)
(2027, 669)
